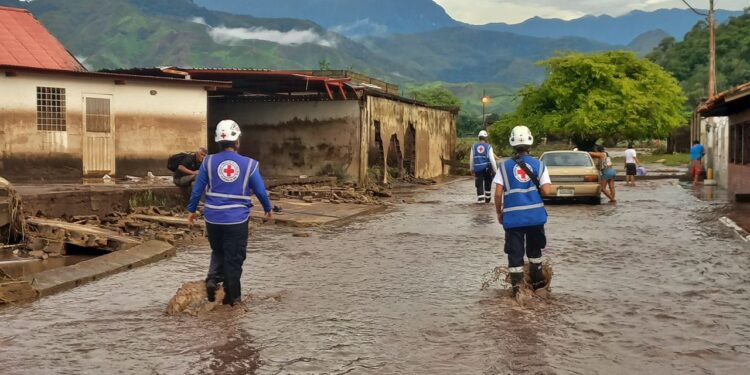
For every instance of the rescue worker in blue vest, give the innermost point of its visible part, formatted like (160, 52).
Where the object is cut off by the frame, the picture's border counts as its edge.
(521, 211)
(229, 180)
(483, 167)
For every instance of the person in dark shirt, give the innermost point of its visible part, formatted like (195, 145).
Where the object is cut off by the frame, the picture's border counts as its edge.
(188, 168)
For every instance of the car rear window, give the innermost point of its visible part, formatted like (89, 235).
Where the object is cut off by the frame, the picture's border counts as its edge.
(565, 159)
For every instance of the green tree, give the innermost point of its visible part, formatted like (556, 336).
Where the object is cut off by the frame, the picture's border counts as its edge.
(468, 125)
(585, 97)
(688, 59)
(436, 95)
(324, 65)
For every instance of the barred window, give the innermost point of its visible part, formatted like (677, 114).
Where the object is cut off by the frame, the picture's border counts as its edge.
(50, 109)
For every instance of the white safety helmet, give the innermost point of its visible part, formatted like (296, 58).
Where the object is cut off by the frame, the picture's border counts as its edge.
(227, 130)
(521, 136)
(483, 134)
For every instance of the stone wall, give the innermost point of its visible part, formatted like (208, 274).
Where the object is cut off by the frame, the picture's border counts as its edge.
(410, 139)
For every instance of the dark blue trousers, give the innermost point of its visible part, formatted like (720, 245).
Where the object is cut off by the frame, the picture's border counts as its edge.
(228, 253)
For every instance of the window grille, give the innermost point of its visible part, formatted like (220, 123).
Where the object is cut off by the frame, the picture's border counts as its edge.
(50, 109)
(98, 117)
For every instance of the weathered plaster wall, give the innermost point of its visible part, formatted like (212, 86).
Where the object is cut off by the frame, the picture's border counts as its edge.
(295, 138)
(435, 134)
(739, 174)
(147, 128)
(716, 142)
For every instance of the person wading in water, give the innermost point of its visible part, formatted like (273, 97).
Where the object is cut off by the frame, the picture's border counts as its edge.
(229, 180)
(521, 212)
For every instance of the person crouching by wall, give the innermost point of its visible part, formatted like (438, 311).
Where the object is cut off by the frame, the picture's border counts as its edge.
(187, 169)
(229, 180)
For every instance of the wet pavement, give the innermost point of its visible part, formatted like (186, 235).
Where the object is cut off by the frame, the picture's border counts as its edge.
(654, 284)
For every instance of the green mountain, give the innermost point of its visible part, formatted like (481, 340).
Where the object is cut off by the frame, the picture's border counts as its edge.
(471, 55)
(645, 43)
(143, 33)
(354, 18)
(688, 59)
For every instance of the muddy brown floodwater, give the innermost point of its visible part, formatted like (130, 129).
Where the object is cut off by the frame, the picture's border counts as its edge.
(652, 285)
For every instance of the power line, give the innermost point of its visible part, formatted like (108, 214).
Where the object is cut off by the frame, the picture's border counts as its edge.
(694, 10)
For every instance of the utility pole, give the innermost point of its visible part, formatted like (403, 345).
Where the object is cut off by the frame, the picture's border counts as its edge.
(712, 51)
(710, 138)
(711, 135)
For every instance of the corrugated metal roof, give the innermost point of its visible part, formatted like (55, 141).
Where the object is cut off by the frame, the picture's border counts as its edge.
(24, 41)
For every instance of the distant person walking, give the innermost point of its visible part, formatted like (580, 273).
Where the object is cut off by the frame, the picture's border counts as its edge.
(631, 165)
(228, 180)
(608, 172)
(520, 210)
(696, 155)
(483, 167)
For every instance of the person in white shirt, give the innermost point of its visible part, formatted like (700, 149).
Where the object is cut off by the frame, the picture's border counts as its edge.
(520, 210)
(631, 165)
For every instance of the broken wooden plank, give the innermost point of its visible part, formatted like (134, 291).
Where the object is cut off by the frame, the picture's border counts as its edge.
(168, 220)
(80, 235)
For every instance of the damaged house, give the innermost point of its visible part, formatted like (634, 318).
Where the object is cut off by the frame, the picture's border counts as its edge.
(312, 123)
(59, 121)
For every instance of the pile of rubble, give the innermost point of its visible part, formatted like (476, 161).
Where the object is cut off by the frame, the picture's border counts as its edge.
(327, 194)
(49, 238)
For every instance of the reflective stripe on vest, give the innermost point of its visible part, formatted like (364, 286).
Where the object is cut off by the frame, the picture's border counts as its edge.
(228, 195)
(523, 205)
(481, 159)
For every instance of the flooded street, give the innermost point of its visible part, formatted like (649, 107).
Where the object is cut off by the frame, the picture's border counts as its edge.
(654, 284)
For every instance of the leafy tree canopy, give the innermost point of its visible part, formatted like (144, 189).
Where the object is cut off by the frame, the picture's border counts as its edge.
(436, 95)
(688, 59)
(611, 95)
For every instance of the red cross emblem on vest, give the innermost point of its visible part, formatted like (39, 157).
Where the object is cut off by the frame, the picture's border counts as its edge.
(520, 174)
(228, 171)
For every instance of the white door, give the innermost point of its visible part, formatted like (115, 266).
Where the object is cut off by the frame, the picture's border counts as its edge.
(98, 138)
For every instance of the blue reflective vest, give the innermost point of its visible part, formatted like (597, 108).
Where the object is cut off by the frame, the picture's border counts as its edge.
(481, 157)
(229, 181)
(522, 202)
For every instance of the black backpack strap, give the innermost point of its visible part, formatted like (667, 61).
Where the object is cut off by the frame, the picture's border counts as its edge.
(529, 173)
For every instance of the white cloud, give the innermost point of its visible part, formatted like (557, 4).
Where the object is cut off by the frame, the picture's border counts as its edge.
(514, 11)
(233, 35)
(361, 27)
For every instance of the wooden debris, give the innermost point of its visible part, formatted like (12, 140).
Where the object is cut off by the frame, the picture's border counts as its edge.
(80, 235)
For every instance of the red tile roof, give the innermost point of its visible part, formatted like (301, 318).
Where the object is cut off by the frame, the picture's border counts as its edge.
(24, 41)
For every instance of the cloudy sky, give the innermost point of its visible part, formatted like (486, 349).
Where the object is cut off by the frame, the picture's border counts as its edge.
(514, 11)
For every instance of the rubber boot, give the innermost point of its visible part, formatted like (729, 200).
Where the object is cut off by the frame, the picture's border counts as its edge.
(537, 276)
(211, 290)
(516, 281)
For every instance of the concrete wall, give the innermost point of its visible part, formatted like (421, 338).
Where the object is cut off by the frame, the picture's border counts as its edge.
(739, 174)
(716, 142)
(147, 128)
(295, 138)
(435, 135)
